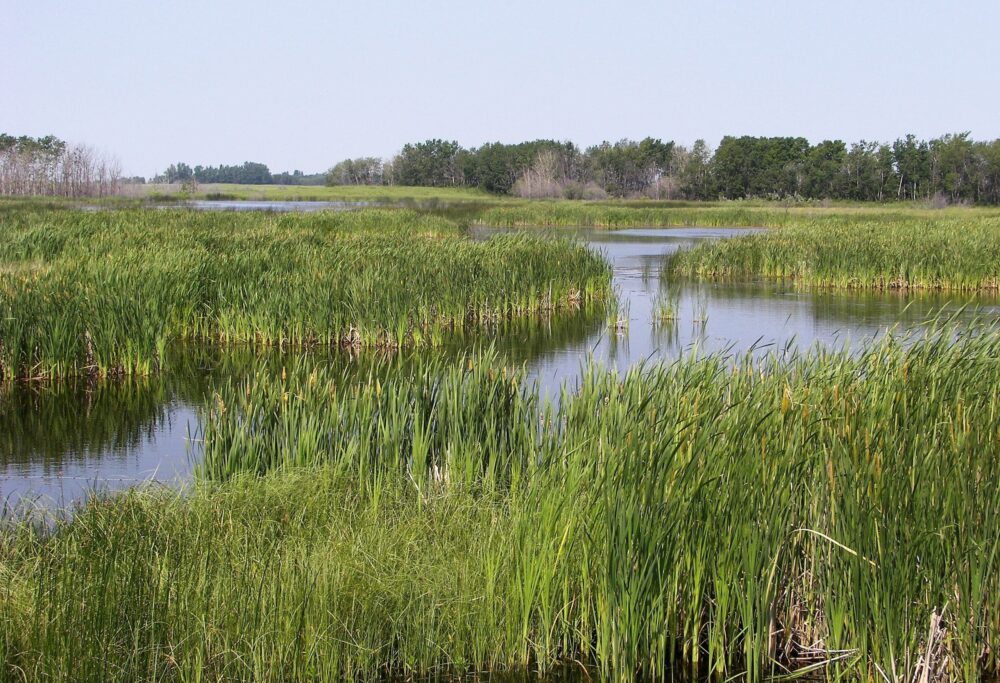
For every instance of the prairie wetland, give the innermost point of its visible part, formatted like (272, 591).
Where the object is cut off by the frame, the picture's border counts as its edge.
(505, 441)
(443, 342)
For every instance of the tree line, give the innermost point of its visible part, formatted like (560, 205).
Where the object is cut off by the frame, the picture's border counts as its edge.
(247, 173)
(951, 168)
(52, 167)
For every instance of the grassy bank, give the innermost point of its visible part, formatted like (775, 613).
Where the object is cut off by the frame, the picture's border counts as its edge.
(721, 514)
(103, 292)
(957, 251)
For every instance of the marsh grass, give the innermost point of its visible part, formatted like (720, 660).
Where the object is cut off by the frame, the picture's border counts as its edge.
(618, 316)
(741, 516)
(826, 512)
(666, 308)
(117, 286)
(720, 214)
(955, 252)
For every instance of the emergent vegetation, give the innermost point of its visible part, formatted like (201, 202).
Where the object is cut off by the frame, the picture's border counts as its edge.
(98, 293)
(958, 251)
(721, 514)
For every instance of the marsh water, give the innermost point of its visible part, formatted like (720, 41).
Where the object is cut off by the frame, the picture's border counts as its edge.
(59, 444)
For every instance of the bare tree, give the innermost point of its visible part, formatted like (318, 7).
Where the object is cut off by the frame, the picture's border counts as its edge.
(543, 179)
(47, 166)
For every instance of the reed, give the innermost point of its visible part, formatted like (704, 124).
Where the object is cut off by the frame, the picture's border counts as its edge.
(618, 316)
(666, 309)
(614, 215)
(948, 253)
(102, 293)
(728, 515)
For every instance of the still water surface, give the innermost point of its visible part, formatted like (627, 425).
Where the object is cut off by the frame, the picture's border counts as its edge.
(56, 445)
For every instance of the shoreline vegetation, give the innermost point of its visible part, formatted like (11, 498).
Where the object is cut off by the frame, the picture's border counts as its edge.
(348, 193)
(953, 252)
(719, 516)
(103, 293)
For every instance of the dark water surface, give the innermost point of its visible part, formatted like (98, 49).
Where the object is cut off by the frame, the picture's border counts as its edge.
(57, 444)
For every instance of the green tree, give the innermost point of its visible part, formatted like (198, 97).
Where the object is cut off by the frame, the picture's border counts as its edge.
(628, 167)
(760, 167)
(826, 174)
(912, 159)
(696, 173)
(954, 166)
(433, 163)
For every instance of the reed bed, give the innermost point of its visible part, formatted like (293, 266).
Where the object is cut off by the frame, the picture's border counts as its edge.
(102, 293)
(906, 253)
(613, 215)
(816, 511)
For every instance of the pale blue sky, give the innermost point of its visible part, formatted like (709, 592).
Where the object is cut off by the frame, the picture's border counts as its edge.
(304, 84)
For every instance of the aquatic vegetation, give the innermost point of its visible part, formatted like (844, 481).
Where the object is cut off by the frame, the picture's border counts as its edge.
(818, 510)
(956, 252)
(665, 309)
(807, 512)
(681, 214)
(436, 420)
(618, 316)
(103, 292)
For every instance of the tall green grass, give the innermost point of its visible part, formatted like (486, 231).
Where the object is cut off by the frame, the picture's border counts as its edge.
(725, 515)
(723, 214)
(954, 252)
(104, 292)
(437, 420)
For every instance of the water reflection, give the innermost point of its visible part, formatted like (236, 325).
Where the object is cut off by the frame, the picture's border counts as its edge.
(57, 443)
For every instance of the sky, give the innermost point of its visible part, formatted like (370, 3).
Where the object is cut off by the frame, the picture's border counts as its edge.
(304, 84)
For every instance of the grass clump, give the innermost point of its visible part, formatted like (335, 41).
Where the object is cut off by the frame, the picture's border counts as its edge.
(949, 253)
(103, 293)
(614, 215)
(305, 576)
(439, 420)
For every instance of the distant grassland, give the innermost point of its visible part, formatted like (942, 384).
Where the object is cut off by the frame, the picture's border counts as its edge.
(715, 516)
(102, 292)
